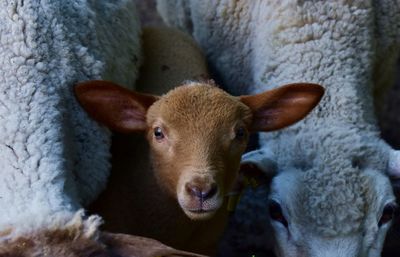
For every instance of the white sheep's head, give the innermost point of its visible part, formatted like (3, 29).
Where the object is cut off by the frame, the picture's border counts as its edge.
(196, 132)
(344, 212)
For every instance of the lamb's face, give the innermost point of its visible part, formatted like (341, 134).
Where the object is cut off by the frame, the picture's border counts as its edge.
(197, 132)
(352, 220)
(197, 136)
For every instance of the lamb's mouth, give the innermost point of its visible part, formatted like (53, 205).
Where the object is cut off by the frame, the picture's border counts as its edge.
(200, 214)
(201, 210)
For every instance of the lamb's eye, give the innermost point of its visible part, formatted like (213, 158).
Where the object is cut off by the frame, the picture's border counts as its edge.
(275, 212)
(389, 212)
(240, 133)
(158, 133)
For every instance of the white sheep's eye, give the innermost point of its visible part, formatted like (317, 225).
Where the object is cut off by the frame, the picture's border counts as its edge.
(240, 133)
(275, 212)
(389, 212)
(158, 134)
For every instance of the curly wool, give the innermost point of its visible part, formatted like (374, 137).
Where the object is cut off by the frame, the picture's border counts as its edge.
(54, 158)
(341, 207)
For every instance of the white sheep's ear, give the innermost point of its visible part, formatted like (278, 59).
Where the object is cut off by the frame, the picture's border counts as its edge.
(394, 164)
(282, 106)
(258, 166)
(116, 107)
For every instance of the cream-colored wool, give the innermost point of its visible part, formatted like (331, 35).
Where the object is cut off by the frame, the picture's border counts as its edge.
(54, 159)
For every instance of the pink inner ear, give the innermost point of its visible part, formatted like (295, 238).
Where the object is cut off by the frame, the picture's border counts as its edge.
(116, 107)
(123, 115)
(131, 120)
(283, 106)
(264, 118)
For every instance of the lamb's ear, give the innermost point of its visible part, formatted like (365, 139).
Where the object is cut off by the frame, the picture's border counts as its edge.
(283, 106)
(116, 107)
(394, 164)
(128, 246)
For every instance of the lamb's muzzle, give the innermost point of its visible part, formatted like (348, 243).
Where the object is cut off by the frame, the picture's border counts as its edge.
(200, 197)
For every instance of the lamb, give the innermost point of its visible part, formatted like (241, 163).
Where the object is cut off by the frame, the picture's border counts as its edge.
(170, 184)
(175, 183)
(332, 195)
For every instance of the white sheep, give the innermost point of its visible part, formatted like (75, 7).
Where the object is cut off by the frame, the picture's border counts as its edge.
(171, 181)
(332, 195)
(47, 143)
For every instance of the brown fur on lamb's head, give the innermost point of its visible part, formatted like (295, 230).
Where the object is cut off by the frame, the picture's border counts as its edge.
(196, 132)
(81, 238)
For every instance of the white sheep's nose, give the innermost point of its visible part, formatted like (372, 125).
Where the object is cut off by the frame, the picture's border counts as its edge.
(346, 246)
(201, 191)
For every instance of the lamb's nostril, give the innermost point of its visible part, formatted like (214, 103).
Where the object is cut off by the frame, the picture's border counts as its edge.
(210, 192)
(193, 190)
(203, 192)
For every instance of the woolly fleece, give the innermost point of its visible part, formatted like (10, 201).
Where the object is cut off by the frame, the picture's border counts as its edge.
(54, 158)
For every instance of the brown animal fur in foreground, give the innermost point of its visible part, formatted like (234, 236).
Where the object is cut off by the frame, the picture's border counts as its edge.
(81, 238)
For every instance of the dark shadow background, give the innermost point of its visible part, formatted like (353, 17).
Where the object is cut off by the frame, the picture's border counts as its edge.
(389, 122)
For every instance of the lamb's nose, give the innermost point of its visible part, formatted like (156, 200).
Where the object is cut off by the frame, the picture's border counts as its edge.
(201, 191)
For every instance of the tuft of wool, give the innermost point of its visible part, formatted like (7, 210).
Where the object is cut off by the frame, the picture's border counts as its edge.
(77, 225)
